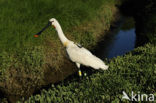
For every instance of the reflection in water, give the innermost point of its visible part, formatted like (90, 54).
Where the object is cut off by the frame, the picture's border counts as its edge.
(123, 42)
(119, 42)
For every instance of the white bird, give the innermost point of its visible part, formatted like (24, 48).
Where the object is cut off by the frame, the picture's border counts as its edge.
(76, 53)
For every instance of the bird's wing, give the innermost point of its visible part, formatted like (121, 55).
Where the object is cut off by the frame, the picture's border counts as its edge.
(80, 51)
(79, 55)
(85, 57)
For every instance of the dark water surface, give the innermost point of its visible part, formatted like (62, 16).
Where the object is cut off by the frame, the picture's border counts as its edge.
(124, 41)
(119, 41)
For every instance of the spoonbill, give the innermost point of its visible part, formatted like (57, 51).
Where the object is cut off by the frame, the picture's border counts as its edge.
(76, 52)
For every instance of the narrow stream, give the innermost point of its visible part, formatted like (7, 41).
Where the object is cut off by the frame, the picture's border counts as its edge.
(119, 41)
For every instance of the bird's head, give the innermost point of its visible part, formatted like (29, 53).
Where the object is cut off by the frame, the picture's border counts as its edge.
(52, 22)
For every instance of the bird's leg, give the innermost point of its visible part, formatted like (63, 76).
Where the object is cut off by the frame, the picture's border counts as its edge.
(79, 72)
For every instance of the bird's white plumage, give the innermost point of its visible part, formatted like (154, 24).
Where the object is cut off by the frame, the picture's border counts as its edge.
(85, 57)
(77, 54)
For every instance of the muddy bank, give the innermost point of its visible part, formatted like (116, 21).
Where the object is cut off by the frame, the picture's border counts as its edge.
(51, 75)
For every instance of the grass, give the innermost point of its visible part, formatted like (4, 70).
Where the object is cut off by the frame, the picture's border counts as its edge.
(22, 21)
(133, 72)
(23, 58)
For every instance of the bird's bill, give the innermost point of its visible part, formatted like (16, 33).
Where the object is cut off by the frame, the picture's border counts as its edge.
(39, 33)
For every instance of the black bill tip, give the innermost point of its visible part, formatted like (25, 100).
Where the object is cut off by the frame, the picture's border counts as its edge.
(37, 35)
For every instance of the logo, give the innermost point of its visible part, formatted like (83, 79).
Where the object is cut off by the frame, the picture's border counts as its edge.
(138, 96)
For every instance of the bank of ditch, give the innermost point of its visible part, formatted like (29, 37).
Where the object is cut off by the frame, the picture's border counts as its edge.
(134, 72)
(28, 63)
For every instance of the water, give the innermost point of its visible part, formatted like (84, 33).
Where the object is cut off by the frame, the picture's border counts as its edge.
(124, 42)
(119, 41)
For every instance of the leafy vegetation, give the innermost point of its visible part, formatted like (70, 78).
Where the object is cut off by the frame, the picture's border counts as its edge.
(25, 59)
(133, 72)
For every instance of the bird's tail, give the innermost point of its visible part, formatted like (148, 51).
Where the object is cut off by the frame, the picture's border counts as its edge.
(96, 63)
(104, 67)
(101, 64)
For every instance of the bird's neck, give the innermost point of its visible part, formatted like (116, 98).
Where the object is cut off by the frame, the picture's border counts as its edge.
(61, 34)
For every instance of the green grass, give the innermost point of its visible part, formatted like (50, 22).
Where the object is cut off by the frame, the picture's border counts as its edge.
(133, 72)
(20, 20)
(23, 58)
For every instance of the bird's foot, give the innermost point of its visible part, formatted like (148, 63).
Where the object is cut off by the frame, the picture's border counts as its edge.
(85, 74)
(82, 74)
